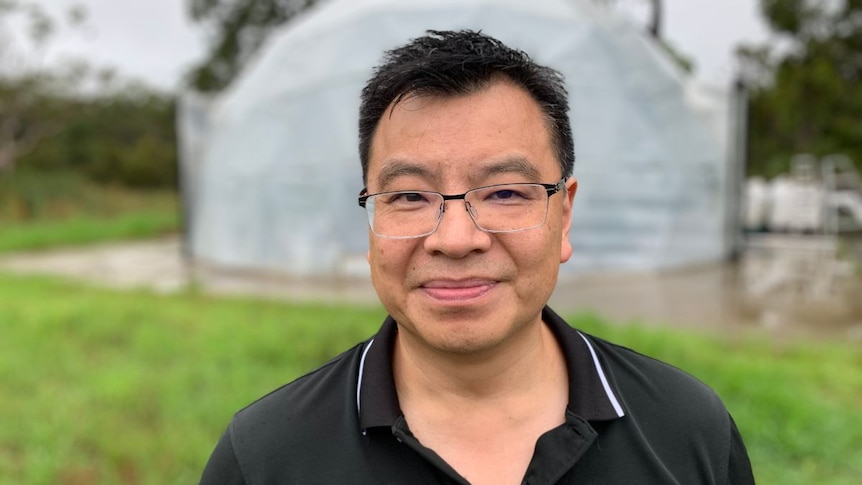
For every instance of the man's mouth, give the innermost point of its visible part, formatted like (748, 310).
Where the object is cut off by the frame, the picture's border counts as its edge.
(457, 290)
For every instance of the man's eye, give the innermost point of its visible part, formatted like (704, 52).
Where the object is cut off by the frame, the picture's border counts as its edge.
(506, 194)
(406, 197)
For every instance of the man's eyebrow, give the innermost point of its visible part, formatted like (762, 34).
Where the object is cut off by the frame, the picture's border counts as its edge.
(510, 165)
(400, 168)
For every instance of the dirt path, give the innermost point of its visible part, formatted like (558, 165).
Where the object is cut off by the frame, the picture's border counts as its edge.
(722, 298)
(151, 264)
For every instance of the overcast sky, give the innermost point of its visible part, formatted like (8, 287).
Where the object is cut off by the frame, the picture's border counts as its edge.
(154, 40)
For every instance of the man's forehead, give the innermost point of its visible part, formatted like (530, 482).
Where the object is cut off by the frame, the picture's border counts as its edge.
(394, 169)
(497, 129)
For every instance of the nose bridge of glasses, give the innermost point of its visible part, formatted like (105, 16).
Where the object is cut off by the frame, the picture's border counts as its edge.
(463, 197)
(471, 211)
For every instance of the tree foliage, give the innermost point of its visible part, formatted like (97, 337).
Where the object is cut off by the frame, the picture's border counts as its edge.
(123, 138)
(71, 116)
(27, 116)
(236, 30)
(35, 96)
(806, 87)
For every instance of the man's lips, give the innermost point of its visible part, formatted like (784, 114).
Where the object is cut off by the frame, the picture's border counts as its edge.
(457, 290)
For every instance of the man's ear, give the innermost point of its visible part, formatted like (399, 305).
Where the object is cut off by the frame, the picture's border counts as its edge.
(568, 201)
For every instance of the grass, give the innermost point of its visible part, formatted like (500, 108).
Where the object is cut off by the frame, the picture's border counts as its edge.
(134, 387)
(82, 230)
(44, 210)
(100, 386)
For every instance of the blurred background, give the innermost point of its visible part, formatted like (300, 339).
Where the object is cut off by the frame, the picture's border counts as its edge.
(178, 216)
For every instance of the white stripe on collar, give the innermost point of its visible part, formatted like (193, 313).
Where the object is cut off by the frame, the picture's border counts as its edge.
(361, 373)
(610, 394)
(611, 397)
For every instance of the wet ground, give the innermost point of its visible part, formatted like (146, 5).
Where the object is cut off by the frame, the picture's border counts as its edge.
(784, 285)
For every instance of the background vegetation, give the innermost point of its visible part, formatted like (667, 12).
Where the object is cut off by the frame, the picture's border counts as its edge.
(806, 83)
(107, 387)
(124, 138)
(40, 210)
(76, 117)
(85, 155)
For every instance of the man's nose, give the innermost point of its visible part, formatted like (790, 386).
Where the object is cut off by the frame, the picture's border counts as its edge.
(457, 234)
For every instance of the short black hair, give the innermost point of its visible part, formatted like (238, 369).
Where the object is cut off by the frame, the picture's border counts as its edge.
(452, 63)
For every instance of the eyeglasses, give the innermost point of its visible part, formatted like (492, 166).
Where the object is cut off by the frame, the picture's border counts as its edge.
(501, 208)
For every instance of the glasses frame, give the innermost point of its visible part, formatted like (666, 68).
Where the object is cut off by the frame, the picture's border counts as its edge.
(550, 188)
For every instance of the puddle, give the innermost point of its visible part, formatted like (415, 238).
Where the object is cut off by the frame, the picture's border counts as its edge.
(792, 286)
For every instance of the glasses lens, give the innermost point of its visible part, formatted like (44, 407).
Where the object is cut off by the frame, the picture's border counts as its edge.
(509, 208)
(404, 214)
(497, 208)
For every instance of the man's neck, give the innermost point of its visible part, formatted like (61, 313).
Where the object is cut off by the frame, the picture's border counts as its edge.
(529, 364)
(484, 413)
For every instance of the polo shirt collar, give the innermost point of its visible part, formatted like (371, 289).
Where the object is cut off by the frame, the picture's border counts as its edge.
(591, 395)
(376, 397)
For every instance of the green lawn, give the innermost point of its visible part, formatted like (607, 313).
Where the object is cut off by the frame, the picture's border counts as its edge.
(44, 210)
(98, 386)
(81, 230)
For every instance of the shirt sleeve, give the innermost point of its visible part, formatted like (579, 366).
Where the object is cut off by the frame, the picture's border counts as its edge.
(223, 467)
(739, 466)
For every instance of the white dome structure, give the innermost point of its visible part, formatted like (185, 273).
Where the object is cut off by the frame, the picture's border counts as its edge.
(272, 169)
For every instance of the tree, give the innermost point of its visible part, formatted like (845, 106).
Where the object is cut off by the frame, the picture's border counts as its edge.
(124, 137)
(73, 117)
(806, 86)
(236, 30)
(27, 117)
(32, 105)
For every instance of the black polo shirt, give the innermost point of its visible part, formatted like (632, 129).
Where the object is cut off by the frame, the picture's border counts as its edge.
(630, 420)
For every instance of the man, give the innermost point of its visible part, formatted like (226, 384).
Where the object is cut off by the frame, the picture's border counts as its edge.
(467, 160)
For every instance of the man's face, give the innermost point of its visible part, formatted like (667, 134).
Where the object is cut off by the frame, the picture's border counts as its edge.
(461, 290)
